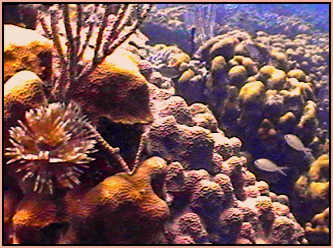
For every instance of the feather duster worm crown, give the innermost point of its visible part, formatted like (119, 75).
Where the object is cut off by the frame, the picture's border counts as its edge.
(52, 146)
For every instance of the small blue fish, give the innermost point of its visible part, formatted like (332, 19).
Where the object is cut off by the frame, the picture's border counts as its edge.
(269, 166)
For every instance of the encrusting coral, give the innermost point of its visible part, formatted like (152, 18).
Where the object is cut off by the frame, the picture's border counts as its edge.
(117, 83)
(264, 96)
(33, 215)
(314, 184)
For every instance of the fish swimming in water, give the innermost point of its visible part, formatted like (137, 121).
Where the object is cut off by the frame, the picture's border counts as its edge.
(269, 166)
(294, 142)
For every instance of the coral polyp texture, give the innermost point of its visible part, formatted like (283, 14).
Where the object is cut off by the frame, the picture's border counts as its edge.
(118, 85)
(50, 148)
(129, 208)
(33, 53)
(311, 201)
(215, 199)
(141, 124)
(21, 92)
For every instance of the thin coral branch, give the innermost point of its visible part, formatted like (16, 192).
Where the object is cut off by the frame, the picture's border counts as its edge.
(60, 85)
(107, 12)
(91, 23)
(119, 25)
(141, 147)
(70, 39)
(60, 82)
(114, 28)
(78, 29)
(55, 36)
(114, 151)
(212, 19)
(46, 29)
(121, 38)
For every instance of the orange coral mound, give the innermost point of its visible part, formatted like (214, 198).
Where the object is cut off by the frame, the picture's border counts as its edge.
(25, 49)
(121, 209)
(21, 92)
(115, 90)
(33, 214)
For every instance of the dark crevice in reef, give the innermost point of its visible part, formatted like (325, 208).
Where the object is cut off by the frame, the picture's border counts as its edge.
(125, 137)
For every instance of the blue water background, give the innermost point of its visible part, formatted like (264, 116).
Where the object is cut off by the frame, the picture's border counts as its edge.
(315, 14)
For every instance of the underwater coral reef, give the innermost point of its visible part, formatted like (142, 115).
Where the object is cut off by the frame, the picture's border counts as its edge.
(165, 124)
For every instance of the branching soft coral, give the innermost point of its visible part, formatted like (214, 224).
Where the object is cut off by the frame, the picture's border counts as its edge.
(115, 24)
(55, 141)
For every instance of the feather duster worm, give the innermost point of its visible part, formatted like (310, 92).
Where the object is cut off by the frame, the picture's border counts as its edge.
(52, 147)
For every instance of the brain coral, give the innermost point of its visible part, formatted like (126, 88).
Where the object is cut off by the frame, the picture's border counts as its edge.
(128, 208)
(32, 53)
(21, 92)
(118, 86)
(32, 217)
